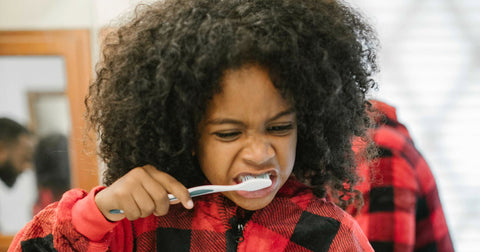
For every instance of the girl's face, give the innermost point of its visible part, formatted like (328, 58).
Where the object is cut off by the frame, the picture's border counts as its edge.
(248, 129)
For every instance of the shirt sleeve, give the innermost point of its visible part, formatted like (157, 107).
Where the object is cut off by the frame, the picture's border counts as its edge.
(93, 225)
(73, 224)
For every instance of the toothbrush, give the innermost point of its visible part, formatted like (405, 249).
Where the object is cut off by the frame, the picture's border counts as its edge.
(249, 183)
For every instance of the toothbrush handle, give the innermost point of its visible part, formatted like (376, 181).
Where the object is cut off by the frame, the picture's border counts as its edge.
(205, 189)
(193, 193)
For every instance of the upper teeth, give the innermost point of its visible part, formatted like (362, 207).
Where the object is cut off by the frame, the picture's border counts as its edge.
(261, 176)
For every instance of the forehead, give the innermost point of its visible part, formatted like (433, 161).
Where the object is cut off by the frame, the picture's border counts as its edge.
(247, 89)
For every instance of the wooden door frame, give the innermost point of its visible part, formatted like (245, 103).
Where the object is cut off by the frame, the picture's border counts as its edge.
(74, 47)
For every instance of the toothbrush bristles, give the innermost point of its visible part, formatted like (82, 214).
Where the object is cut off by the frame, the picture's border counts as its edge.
(254, 183)
(261, 176)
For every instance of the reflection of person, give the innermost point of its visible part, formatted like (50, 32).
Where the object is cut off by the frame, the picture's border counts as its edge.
(402, 210)
(16, 150)
(201, 91)
(16, 178)
(52, 169)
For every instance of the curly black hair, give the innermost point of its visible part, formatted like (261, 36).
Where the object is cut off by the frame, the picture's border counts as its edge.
(159, 70)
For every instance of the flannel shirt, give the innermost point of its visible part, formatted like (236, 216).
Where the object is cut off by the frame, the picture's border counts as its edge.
(295, 220)
(402, 209)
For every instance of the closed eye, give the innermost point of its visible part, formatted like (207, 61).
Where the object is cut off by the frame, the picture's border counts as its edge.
(227, 136)
(281, 129)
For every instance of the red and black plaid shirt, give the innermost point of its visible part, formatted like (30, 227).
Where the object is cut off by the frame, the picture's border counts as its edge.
(295, 220)
(402, 210)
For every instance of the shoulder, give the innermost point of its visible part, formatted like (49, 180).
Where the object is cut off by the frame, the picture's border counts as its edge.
(318, 224)
(54, 220)
(324, 226)
(388, 132)
(397, 155)
(328, 216)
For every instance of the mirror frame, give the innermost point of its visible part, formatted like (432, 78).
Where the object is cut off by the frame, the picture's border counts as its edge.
(74, 47)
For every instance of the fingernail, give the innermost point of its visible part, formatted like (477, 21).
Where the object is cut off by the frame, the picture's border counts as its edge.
(189, 204)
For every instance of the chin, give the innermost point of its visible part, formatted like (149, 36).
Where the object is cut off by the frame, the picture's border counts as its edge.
(254, 207)
(251, 204)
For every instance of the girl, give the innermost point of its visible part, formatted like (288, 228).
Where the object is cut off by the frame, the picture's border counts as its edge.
(194, 92)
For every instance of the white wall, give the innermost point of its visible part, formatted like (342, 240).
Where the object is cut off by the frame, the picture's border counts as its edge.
(45, 14)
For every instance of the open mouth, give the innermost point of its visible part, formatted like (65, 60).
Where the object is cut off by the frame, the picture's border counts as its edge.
(245, 177)
(258, 193)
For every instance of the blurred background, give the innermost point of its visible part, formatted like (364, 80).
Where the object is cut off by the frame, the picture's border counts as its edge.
(429, 70)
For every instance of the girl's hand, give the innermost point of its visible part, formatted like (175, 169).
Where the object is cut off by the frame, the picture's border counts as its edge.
(141, 192)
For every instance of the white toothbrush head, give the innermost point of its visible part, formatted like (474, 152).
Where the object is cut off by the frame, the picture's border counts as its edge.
(251, 183)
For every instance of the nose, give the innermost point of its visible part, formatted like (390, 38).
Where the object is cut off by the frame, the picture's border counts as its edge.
(258, 151)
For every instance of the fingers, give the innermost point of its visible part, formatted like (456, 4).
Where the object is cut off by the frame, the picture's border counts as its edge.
(158, 196)
(172, 186)
(141, 192)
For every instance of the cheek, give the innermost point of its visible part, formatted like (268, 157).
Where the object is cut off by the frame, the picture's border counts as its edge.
(16, 160)
(214, 162)
(288, 156)
(293, 150)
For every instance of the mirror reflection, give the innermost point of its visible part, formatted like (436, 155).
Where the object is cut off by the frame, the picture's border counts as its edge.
(33, 95)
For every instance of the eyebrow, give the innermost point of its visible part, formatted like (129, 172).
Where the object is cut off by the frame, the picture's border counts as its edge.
(219, 121)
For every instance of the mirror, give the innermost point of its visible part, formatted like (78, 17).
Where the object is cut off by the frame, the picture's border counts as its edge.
(65, 57)
(24, 99)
